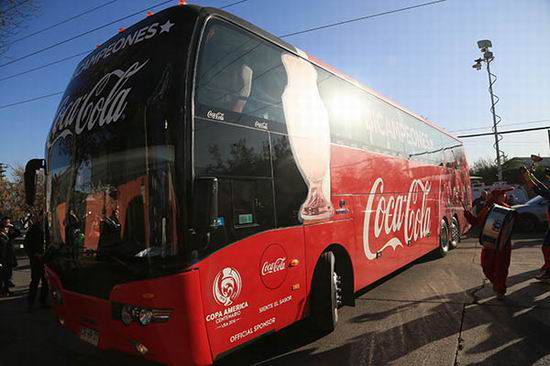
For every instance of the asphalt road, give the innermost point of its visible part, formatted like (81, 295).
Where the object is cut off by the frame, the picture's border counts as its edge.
(434, 312)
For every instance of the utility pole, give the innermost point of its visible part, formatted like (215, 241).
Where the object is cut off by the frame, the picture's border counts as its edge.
(488, 57)
(3, 169)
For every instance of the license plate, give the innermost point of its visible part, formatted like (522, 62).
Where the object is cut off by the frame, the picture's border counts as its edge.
(89, 335)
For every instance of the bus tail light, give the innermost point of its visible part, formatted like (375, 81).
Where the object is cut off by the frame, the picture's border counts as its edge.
(128, 314)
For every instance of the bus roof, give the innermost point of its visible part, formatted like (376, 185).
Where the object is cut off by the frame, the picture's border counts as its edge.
(204, 12)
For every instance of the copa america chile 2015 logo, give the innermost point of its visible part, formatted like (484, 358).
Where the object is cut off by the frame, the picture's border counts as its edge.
(227, 286)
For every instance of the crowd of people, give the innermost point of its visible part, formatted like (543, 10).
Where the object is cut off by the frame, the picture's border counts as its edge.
(34, 248)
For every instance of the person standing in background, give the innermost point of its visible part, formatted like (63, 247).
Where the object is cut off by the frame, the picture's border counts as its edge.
(34, 247)
(479, 202)
(7, 257)
(11, 232)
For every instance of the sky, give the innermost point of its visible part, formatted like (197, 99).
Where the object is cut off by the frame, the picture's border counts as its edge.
(420, 58)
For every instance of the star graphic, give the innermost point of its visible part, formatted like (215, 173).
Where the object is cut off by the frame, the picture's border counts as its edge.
(166, 26)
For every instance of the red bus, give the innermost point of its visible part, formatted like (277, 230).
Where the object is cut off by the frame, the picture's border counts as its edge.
(208, 184)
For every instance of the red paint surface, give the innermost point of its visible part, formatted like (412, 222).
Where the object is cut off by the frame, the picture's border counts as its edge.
(182, 339)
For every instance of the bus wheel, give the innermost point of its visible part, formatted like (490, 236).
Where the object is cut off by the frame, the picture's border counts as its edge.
(443, 240)
(326, 294)
(455, 234)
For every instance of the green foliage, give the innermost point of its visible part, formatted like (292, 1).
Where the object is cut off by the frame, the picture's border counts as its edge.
(12, 195)
(485, 168)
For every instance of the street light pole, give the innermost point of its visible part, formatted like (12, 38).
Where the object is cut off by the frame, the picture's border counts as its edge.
(495, 130)
(488, 57)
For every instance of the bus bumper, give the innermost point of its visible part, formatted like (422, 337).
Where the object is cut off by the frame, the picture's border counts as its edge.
(181, 340)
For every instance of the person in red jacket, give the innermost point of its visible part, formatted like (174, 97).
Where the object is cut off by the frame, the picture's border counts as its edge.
(495, 263)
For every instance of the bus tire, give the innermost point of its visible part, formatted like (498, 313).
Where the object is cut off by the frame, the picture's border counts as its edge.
(443, 247)
(455, 234)
(325, 293)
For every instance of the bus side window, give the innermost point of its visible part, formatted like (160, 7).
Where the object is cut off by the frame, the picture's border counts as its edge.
(239, 158)
(290, 187)
(240, 73)
(245, 200)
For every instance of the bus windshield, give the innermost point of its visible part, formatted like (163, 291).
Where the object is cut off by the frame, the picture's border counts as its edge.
(111, 196)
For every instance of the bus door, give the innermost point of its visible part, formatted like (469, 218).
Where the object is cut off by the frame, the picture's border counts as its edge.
(253, 281)
(253, 278)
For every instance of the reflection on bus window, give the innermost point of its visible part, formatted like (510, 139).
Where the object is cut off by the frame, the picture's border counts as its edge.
(240, 73)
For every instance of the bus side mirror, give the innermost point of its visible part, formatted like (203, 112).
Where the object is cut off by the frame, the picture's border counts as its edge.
(30, 179)
(205, 204)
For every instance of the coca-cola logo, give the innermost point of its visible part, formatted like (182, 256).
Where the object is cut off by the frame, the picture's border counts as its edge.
(262, 125)
(403, 218)
(98, 107)
(219, 116)
(273, 266)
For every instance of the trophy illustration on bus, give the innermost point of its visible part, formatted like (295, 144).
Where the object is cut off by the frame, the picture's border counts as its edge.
(307, 122)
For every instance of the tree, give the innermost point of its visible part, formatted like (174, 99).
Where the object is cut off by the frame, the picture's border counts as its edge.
(13, 15)
(12, 195)
(485, 168)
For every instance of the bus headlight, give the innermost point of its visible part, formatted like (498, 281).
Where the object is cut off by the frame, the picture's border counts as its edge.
(126, 314)
(145, 316)
(129, 313)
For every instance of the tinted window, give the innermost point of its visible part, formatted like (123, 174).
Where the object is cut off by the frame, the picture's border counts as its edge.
(239, 85)
(240, 74)
(290, 188)
(226, 150)
(239, 158)
(345, 108)
(113, 197)
(360, 119)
